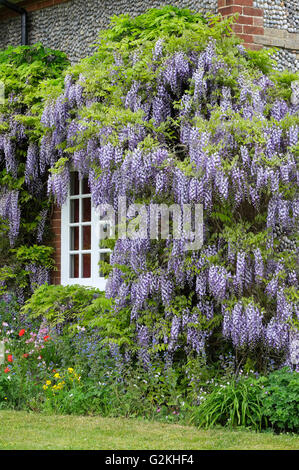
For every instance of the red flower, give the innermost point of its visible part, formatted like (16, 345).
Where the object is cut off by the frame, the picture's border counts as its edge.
(6, 370)
(22, 332)
(46, 338)
(25, 355)
(9, 358)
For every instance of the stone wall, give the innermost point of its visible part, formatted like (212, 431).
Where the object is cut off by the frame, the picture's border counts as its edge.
(72, 26)
(280, 14)
(281, 23)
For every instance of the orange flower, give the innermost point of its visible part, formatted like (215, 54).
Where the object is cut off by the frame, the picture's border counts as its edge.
(22, 332)
(9, 358)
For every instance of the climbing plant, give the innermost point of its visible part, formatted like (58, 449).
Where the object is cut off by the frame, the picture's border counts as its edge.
(28, 73)
(172, 109)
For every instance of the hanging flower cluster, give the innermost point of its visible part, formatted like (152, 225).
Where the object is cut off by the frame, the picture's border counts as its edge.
(187, 122)
(24, 206)
(179, 115)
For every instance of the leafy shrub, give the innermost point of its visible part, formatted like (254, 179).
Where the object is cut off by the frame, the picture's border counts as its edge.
(236, 403)
(280, 399)
(61, 305)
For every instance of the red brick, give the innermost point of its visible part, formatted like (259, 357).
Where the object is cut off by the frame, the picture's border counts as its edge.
(56, 243)
(237, 28)
(230, 10)
(252, 11)
(248, 20)
(246, 38)
(221, 3)
(253, 30)
(248, 3)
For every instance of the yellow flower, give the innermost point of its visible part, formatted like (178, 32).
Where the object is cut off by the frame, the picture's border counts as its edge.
(45, 387)
(70, 370)
(48, 382)
(60, 385)
(57, 376)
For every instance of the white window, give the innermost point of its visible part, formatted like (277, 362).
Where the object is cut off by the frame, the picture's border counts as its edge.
(80, 238)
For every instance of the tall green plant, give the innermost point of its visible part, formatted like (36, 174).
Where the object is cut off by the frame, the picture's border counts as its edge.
(28, 73)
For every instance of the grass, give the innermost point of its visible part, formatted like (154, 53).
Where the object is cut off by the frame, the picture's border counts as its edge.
(30, 431)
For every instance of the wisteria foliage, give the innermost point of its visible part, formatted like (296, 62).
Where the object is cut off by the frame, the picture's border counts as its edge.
(190, 121)
(186, 118)
(24, 205)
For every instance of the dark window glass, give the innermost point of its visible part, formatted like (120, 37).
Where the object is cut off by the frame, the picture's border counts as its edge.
(74, 238)
(74, 271)
(74, 189)
(86, 266)
(74, 215)
(86, 209)
(86, 237)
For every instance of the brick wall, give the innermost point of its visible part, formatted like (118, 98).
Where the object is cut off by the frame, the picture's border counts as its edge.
(264, 23)
(56, 228)
(250, 21)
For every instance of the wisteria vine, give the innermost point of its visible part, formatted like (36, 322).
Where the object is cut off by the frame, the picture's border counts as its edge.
(197, 127)
(186, 118)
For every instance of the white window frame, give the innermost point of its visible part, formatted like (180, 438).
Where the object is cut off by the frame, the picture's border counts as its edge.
(95, 280)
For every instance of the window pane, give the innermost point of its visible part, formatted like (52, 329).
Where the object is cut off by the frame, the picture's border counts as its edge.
(74, 239)
(74, 216)
(86, 209)
(74, 271)
(74, 189)
(86, 237)
(85, 186)
(104, 257)
(86, 266)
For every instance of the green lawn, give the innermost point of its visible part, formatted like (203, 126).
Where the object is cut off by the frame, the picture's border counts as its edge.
(23, 431)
